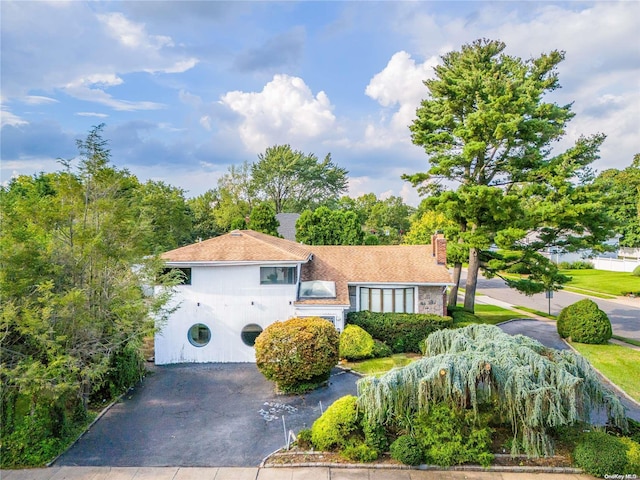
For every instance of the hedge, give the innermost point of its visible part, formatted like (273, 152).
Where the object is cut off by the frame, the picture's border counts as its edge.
(402, 332)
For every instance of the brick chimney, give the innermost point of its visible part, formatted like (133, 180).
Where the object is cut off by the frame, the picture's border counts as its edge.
(439, 248)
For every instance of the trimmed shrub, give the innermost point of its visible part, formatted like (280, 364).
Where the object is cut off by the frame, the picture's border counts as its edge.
(600, 454)
(636, 271)
(584, 322)
(381, 349)
(356, 343)
(297, 354)
(406, 450)
(375, 436)
(336, 425)
(633, 456)
(402, 332)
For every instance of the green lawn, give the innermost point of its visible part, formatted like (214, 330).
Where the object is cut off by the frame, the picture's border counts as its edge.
(378, 366)
(619, 364)
(493, 315)
(536, 312)
(602, 282)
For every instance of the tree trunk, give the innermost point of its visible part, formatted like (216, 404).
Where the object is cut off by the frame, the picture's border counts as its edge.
(472, 280)
(453, 295)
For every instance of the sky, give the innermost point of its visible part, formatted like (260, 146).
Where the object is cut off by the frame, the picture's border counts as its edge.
(188, 88)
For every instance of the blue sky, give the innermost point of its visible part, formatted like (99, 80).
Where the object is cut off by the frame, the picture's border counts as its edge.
(188, 88)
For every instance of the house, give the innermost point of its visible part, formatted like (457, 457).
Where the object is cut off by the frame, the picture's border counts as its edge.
(237, 284)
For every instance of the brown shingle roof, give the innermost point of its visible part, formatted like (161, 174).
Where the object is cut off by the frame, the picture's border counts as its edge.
(240, 246)
(371, 264)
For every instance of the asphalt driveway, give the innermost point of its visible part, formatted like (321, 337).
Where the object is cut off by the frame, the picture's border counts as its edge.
(201, 415)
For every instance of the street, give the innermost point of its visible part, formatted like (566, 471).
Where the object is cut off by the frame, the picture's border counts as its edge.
(624, 315)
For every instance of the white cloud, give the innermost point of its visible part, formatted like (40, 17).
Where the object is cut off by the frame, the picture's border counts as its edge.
(205, 122)
(8, 118)
(599, 74)
(92, 114)
(38, 100)
(285, 111)
(398, 87)
(70, 47)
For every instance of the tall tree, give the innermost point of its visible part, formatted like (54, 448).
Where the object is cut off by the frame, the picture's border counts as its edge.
(294, 181)
(204, 221)
(234, 197)
(263, 219)
(488, 134)
(329, 227)
(165, 215)
(620, 190)
(73, 309)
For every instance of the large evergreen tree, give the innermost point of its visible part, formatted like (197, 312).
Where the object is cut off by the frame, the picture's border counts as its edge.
(488, 133)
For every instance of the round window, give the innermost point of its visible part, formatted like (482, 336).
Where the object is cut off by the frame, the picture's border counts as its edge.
(250, 333)
(199, 335)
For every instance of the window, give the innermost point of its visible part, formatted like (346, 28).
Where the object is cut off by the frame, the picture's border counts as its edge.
(278, 275)
(184, 274)
(318, 289)
(199, 335)
(399, 300)
(250, 333)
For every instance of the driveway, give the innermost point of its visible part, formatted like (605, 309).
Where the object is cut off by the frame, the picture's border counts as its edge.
(201, 415)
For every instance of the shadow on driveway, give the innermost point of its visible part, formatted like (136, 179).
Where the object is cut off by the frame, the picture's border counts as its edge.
(201, 415)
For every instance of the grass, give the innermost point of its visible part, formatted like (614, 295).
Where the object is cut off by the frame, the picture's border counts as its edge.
(536, 312)
(379, 366)
(593, 282)
(630, 341)
(493, 314)
(619, 364)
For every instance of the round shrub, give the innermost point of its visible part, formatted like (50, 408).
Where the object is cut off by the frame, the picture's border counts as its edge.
(356, 343)
(297, 354)
(337, 423)
(633, 456)
(584, 322)
(636, 271)
(600, 454)
(406, 450)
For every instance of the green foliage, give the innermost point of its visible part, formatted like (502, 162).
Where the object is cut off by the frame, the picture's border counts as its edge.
(402, 332)
(633, 456)
(600, 454)
(531, 387)
(487, 131)
(584, 322)
(371, 240)
(360, 452)
(297, 354)
(405, 449)
(375, 436)
(74, 310)
(452, 436)
(620, 190)
(381, 349)
(577, 265)
(337, 424)
(356, 343)
(636, 271)
(204, 224)
(423, 227)
(293, 181)
(263, 219)
(328, 227)
(304, 439)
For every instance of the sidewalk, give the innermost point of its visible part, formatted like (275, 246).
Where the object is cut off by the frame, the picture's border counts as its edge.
(294, 473)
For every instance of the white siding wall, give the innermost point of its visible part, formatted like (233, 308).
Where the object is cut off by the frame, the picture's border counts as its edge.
(220, 298)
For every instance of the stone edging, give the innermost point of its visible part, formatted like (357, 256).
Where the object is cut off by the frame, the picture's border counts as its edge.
(384, 466)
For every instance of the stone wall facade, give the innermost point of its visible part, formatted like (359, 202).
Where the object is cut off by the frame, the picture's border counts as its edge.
(432, 300)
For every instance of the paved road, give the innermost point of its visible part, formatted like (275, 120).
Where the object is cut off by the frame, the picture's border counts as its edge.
(625, 318)
(201, 415)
